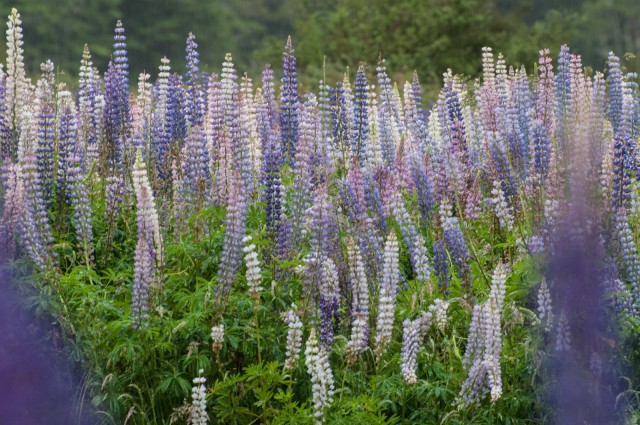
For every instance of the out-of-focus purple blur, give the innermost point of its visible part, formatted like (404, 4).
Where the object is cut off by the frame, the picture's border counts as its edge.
(37, 386)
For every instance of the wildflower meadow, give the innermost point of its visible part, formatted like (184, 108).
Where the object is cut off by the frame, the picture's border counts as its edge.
(217, 248)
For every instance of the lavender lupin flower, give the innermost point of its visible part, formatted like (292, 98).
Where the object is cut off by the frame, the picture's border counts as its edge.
(13, 204)
(149, 249)
(193, 102)
(33, 226)
(232, 251)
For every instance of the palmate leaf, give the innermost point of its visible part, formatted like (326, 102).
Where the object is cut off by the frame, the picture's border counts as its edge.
(174, 383)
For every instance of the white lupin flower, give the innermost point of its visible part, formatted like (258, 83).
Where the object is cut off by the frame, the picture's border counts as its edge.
(502, 209)
(411, 336)
(387, 302)
(360, 325)
(563, 334)
(254, 276)
(319, 368)
(484, 346)
(294, 337)
(199, 414)
(217, 337)
(438, 311)
(544, 303)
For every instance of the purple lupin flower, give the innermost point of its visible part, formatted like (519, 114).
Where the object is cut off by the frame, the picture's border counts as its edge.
(176, 122)
(289, 103)
(115, 109)
(374, 202)
(323, 229)
(117, 115)
(235, 230)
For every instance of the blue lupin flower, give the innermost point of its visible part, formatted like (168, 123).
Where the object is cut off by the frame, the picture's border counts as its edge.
(272, 189)
(621, 174)
(541, 150)
(289, 103)
(441, 267)
(614, 92)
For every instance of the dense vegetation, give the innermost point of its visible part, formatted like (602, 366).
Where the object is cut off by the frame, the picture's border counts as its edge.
(425, 35)
(214, 249)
